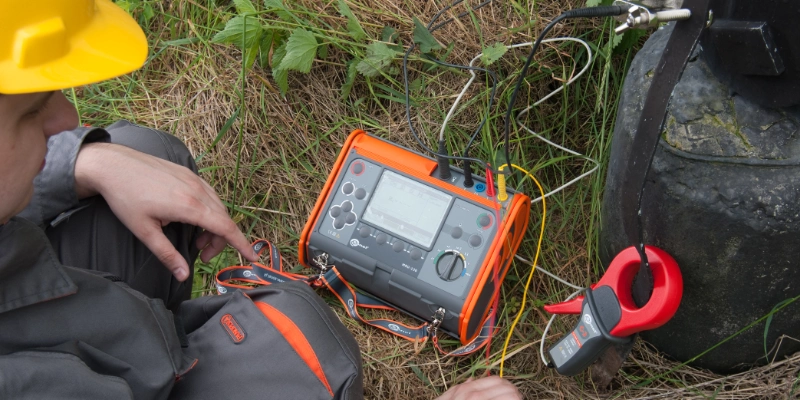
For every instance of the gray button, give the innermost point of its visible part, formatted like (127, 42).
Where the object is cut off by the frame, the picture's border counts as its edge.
(350, 218)
(336, 211)
(398, 246)
(475, 240)
(456, 232)
(347, 206)
(484, 220)
(361, 193)
(381, 238)
(364, 231)
(358, 168)
(338, 223)
(416, 254)
(348, 188)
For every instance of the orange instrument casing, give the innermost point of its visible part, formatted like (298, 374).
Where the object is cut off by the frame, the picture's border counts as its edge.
(397, 231)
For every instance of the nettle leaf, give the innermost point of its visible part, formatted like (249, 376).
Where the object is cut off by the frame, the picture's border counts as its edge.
(301, 49)
(240, 28)
(148, 12)
(350, 78)
(125, 5)
(353, 26)
(281, 76)
(621, 43)
(379, 56)
(279, 9)
(244, 6)
(493, 53)
(322, 51)
(251, 53)
(390, 35)
(424, 38)
(616, 40)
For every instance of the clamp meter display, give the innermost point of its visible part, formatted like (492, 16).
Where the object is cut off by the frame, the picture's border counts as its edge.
(420, 243)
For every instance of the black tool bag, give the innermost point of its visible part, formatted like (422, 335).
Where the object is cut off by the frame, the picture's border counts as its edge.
(280, 341)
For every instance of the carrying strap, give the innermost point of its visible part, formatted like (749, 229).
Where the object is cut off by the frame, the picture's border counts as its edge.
(257, 274)
(666, 75)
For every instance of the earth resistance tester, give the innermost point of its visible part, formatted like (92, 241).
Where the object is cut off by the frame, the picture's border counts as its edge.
(395, 230)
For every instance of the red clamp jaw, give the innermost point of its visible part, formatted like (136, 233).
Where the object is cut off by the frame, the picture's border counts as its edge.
(664, 302)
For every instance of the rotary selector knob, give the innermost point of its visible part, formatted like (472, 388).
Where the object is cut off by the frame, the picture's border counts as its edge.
(450, 265)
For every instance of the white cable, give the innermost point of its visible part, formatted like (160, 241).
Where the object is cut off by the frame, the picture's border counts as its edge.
(547, 328)
(539, 268)
(526, 110)
(562, 187)
(552, 317)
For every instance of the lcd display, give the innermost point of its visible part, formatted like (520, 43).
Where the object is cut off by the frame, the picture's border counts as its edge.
(407, 208)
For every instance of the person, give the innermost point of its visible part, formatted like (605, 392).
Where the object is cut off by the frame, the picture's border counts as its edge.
(123, 203)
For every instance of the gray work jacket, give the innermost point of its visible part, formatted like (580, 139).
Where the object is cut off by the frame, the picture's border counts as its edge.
(69, 333)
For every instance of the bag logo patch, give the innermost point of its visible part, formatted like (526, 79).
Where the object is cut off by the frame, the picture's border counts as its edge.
(232, 327)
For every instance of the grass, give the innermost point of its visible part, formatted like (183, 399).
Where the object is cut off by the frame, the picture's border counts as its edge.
(268, 153)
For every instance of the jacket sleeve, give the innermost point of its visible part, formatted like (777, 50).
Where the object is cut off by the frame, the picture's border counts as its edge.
(51, 375)
(54, 187)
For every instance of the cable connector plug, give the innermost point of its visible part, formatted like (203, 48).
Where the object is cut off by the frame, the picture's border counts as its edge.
(444, 162)
(489, 183)
(468, 181)
(640, 17)
(502, 195)
(592, 12)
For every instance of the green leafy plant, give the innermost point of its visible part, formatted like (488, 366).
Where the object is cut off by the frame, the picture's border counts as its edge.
(138, 6)
(493, 53)
(424, 39)
(379, 56)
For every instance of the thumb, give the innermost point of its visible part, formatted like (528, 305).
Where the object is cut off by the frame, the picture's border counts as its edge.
(163, 249)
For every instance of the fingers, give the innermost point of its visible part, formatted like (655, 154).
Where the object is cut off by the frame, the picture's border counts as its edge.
(223, 230)
(493, 387)
(163, 249)
(215, 246)
(203, 240)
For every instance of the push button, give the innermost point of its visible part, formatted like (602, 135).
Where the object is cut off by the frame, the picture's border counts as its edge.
(381, 238)
(338, 223)
(484, 220)
(350, 218)
(348, 188)
(364, 231)
(475, 240)
(398, 246)
(358, 168)
(456, 232)
(347, 206)
(361, 193)
(416, 254)
(336, 211)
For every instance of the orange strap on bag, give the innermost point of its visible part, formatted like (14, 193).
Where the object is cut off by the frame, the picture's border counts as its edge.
(259, 274)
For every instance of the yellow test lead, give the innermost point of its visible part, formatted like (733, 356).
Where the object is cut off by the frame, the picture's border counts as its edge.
(535, 260)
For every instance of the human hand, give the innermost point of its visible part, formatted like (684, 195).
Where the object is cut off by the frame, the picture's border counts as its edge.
(492, 387)
(147, 193)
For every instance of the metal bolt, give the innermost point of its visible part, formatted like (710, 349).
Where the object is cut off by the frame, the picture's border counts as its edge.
(710, 18)
(673, 15)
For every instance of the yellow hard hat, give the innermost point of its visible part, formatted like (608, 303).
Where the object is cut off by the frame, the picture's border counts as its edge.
(57, 44)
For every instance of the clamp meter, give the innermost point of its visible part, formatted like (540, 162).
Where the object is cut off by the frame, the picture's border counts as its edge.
(608, 314)
(395, 230)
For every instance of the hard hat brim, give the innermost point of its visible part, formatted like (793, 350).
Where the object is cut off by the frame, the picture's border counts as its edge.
(112, 44)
